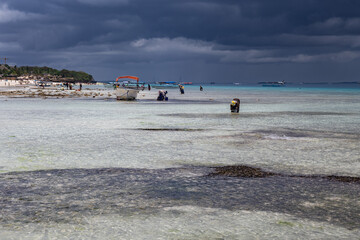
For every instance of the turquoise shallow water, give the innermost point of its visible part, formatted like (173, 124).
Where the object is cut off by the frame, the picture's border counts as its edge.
(158, 155)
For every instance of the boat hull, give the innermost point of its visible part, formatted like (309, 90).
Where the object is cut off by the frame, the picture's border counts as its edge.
(126, 94)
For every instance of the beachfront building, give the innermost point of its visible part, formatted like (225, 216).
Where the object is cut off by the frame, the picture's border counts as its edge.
(15, 83)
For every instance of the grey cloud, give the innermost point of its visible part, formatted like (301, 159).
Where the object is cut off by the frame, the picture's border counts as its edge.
(103, 34)
(336, 25)
(12, 15)
(345, 56)
(104, 2)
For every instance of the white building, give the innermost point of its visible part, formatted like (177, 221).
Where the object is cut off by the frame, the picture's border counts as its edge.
(16, 83)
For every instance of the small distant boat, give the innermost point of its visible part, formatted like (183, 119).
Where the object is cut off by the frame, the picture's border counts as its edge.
(236, 83)
(42, 84)
(127, 91)
(273, 84)
(163, 85)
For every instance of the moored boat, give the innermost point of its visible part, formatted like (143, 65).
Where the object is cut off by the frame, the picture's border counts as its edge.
(163, 85)
(127, 91)
(273, 84)
(127, 94)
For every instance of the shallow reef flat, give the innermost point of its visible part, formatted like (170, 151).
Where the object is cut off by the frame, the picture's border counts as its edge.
(286, 166)
(70, 195)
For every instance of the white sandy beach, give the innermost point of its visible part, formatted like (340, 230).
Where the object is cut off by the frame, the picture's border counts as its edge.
(100, 93)
(32, 91)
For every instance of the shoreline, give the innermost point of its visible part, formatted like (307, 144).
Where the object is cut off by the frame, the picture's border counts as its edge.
(95, 93)
(36, 92)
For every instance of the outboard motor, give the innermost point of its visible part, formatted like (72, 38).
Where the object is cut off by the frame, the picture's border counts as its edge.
(162, 96)
(235, 105)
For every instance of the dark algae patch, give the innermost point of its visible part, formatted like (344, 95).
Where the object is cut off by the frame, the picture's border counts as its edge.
(343, 179)
(72, 195)
(171, 129)
(252, 172)
(241, 171)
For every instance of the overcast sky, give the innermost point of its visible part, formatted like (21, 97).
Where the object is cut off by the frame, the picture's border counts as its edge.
(198, 40)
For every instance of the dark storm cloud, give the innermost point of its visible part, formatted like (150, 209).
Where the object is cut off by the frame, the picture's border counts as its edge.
(101, 36)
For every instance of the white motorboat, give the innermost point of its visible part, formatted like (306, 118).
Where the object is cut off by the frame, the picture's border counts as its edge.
(126, 92)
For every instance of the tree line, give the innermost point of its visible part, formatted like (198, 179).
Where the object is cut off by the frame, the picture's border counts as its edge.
(75, 76)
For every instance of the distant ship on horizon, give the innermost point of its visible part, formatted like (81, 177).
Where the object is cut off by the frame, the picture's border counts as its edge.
(273, 84)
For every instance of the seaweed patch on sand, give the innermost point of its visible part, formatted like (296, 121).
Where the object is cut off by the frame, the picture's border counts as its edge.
(241, 171)
(70, 196)
(171, 129)
(251, 172)
(343, 179)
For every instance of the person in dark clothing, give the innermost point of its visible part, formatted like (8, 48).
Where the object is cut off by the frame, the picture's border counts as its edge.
(162, 96)
(182, 91)
(235, 105)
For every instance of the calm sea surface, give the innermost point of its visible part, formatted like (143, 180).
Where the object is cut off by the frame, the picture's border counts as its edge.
(101, 168)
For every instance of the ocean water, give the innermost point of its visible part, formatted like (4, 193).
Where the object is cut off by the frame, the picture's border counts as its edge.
(101, 168)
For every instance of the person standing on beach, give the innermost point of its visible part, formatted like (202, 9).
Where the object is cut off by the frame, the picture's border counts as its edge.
(201, 88)
(80, 86)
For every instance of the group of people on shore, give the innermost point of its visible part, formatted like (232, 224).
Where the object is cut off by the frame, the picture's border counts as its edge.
(69, 86)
